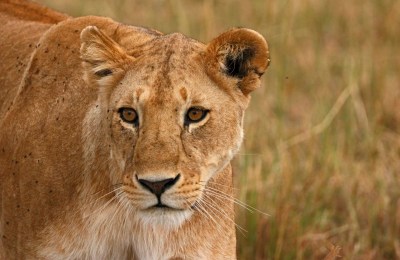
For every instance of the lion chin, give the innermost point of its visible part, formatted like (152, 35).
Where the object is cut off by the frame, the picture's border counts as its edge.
(164, 218)
(116, 140)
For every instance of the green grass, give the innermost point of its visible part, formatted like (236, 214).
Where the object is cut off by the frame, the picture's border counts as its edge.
(338, 186)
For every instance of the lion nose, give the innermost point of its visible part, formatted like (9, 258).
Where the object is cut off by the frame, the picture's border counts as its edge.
(158, 187)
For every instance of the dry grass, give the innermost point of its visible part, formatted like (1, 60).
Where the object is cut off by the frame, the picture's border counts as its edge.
(322, 149)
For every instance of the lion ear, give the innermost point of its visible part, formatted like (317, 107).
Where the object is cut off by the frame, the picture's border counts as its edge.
(241, 54)
(103, 59)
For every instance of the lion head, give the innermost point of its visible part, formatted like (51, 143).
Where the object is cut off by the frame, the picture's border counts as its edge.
(169, 115)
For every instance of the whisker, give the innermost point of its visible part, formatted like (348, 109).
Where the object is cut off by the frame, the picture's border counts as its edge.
(105, 195)
(218, 218)
(237, 202)
(111, 186)
(204, 183)
(222, 197)
(101, 208)
(204, 210)
(128, 211)
(249, 154)
(118, 206)
(223, 213)
(241, 203)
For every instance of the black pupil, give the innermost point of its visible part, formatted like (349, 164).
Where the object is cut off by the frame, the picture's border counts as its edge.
(195, 114)
(129, 115)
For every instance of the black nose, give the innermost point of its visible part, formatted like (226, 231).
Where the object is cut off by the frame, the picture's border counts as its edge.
(158, 187)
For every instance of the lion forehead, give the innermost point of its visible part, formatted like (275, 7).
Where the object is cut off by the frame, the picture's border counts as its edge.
(166, 68)
(172, 55)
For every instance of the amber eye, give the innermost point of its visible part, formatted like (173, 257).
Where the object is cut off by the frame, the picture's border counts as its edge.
(128, 115)
(195, 114)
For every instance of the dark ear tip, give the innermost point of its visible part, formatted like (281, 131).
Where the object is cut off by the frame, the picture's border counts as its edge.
(103, 72)
(240, 51)
(240, 54)
(236, 63)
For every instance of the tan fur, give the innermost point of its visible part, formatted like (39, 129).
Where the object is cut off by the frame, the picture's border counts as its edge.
(69, 166)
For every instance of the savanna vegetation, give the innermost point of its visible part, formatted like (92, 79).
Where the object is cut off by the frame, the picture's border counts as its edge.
(321, 154)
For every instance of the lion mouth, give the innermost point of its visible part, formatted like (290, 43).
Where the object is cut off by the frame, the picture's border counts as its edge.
(161, 206)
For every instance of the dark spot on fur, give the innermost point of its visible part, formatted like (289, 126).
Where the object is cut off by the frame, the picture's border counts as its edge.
(28, 210)
(30, 45)
(150, 67)
(18, 206)
(36, 182)
(46, 50)
(7, 223)
(50, 191)
(103, 73)
(76, 31)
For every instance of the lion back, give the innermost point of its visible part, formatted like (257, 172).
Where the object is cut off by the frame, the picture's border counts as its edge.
(21, 24)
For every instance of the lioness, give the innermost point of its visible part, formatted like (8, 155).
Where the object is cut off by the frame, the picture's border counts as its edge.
(115, 140)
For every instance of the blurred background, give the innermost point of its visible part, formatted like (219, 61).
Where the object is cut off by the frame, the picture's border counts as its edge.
(321, 153)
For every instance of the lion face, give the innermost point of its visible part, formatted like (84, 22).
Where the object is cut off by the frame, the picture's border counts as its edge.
(172, 114)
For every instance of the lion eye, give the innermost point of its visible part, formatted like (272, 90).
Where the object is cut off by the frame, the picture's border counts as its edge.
(128, 115)
(195, 114)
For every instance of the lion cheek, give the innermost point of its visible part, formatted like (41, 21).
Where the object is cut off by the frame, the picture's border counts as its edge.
(214, 164)
(119, 159)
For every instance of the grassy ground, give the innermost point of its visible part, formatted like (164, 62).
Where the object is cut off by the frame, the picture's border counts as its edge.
(322, 148)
